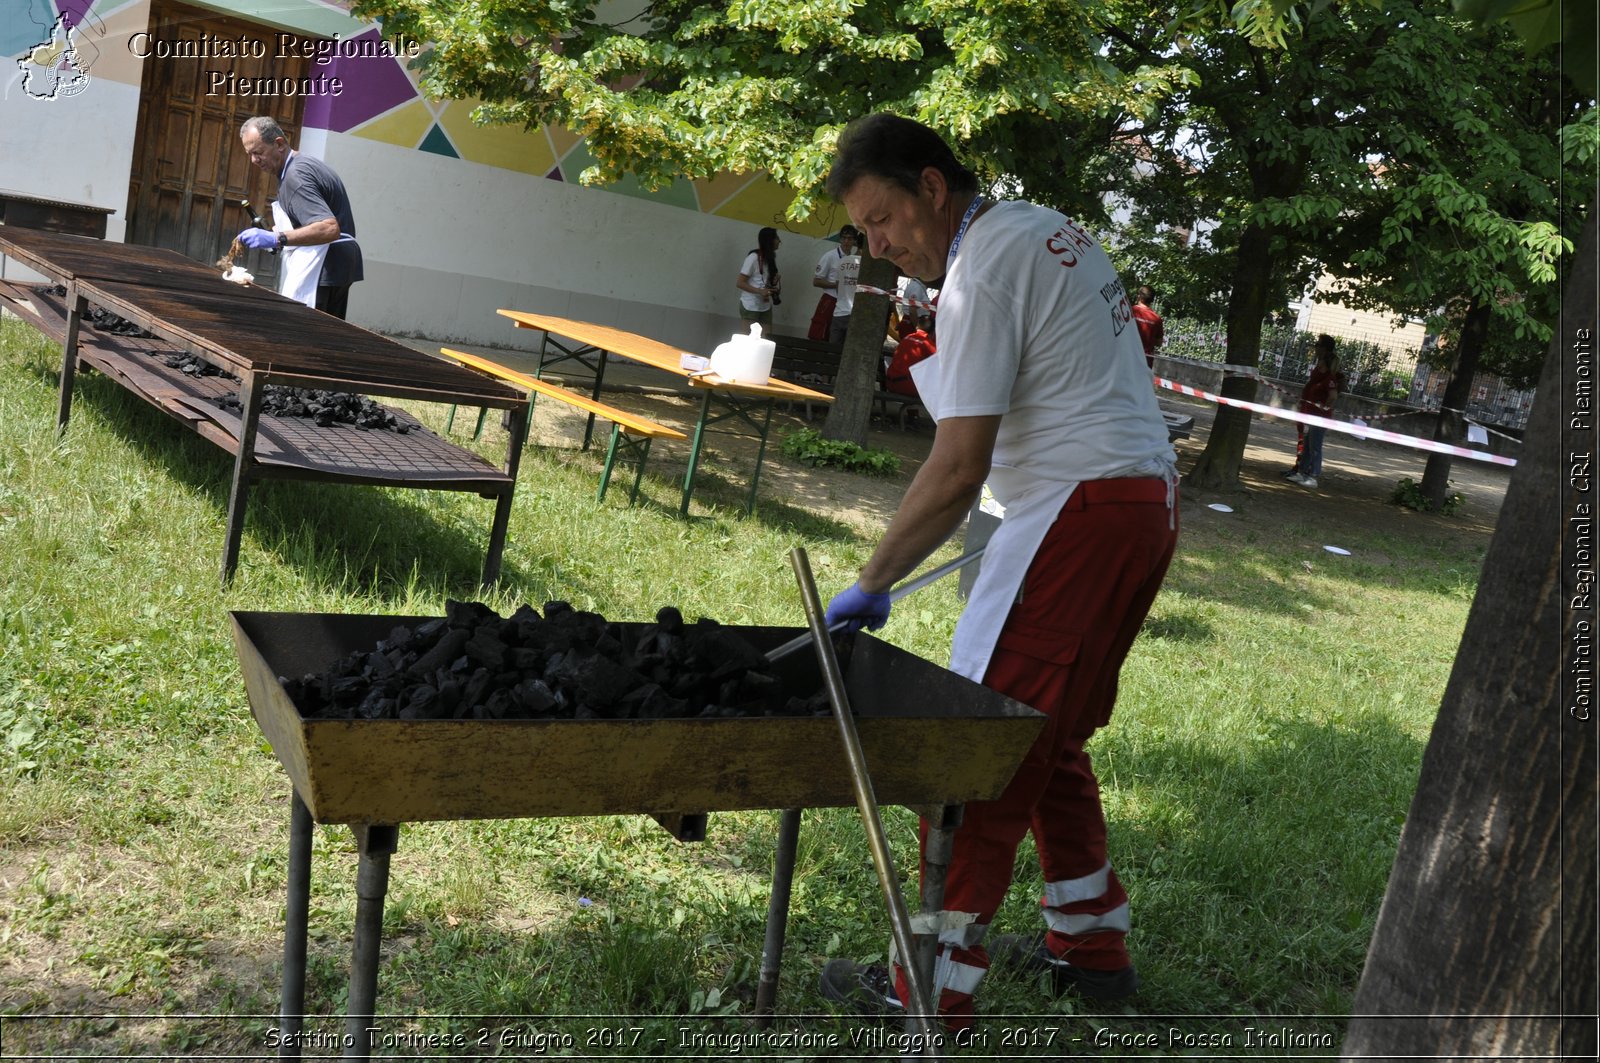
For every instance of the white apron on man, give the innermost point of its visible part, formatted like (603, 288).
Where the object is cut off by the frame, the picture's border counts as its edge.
(1031, 505)
(301, 265)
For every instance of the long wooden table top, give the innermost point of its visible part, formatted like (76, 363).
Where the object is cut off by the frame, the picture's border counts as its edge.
(284, 446)
(246, 328)
(658, 355)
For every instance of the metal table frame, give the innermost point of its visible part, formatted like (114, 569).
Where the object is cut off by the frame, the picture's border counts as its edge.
(750, 403)
(122, 299)
(377, 843)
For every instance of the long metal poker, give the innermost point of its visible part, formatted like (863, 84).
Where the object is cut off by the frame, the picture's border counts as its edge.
(910, 586)
(920, 1010)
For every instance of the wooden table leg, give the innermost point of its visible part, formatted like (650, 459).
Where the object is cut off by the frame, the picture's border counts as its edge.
(377, 842)
(250, 395)
(520, 420)
(77, 306)
(777, 916)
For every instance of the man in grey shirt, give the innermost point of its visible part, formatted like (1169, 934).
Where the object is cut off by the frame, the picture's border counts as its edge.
(312, 214)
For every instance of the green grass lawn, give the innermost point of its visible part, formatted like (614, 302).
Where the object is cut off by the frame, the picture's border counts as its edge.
(1266, 745)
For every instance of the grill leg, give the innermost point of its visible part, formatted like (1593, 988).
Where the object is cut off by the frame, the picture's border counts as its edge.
(777, 916)
(292, 1006)
(377, 842)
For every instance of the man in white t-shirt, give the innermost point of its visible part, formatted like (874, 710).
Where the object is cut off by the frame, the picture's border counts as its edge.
(915, 297)
(1040, 389)
(836, 274)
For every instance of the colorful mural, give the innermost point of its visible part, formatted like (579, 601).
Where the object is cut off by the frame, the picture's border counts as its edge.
(379, 98)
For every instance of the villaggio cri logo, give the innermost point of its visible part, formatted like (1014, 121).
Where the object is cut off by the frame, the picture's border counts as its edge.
(58, 66)
(224, 80)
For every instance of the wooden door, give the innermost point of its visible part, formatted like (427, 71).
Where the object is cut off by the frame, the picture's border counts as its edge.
(189, 173)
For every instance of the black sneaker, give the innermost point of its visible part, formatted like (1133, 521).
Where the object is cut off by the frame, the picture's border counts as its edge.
(1030, 953)
(865, 990)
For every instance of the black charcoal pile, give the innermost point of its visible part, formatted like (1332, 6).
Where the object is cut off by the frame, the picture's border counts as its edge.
(473, 664)
(189, 365)
(99, 317)
(327, 408)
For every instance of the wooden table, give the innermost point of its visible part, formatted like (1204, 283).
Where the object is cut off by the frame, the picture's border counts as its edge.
(259, 337)
(750, 403)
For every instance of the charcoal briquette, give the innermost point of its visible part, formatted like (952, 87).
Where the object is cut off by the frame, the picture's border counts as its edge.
(421, 700)
(498, 704)
(533, 697)
(524, 659)
(468, 614)
(485, 648)
(375, 706)
(346, 690)
(447, 649)
(477, 687)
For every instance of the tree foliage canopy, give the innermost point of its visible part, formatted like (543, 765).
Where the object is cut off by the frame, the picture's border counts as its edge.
(689, 88)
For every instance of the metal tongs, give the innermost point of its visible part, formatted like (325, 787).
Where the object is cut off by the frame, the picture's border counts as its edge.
(910, 586)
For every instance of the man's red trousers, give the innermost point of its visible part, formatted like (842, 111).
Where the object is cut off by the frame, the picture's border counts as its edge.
(1083, 601)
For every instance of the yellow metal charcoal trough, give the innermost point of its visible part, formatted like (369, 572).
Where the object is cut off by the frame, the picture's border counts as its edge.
(931, 738)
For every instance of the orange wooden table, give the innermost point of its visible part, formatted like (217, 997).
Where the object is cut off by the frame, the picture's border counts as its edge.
(750, 403)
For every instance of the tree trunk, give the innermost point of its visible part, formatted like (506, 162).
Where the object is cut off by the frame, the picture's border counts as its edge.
(1218, 464)
(1486, 942)
(851, 412)
(1450, 428)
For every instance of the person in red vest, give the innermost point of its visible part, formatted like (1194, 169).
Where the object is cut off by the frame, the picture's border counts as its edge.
(915, 345)
(1152, 333)
(1317, 397)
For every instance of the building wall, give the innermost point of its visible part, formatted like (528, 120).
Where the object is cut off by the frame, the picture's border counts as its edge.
(455, 220)
(1327, 313)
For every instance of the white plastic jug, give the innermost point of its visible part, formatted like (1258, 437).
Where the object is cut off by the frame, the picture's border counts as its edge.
(744, 359)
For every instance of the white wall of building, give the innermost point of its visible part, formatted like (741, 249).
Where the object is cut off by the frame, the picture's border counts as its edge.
(447, 242)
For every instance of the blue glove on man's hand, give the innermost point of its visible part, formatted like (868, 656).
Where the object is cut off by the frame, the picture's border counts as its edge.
(858, 609)
(258, 238)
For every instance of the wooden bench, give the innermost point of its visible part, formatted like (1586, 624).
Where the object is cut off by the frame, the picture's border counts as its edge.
(815, 363)
(812, 363)
(630, 432)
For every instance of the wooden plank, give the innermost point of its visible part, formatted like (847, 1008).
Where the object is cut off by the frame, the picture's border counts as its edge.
(630, 421)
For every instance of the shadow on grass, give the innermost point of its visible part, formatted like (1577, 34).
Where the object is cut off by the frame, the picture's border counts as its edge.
(373, 538)
(1255, 878)
(1255, 873)
(1179, 629)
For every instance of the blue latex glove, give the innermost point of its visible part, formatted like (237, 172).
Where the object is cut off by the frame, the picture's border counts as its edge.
(258, 238)
(858, 609)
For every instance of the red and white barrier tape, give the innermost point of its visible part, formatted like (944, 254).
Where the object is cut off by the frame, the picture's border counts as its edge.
(868, 289)
(1229, 369)
(1359, 431)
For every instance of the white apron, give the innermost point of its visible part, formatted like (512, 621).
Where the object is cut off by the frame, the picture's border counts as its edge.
(302, 264)
(1031, 505)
